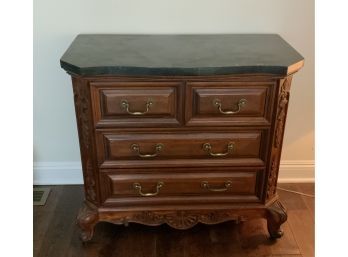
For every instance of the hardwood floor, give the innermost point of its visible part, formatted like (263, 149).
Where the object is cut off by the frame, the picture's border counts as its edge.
(55, 232)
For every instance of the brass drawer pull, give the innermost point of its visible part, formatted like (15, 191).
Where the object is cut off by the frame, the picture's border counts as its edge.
(137, 187)
(240, 104)
(206, 185)
(158, 148)
(125, 105)
(207, 147)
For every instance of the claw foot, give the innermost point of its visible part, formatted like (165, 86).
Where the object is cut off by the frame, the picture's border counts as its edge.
(276, 216)
(87, 219)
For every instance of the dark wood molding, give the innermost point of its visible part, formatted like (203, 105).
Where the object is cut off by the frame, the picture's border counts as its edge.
(182, 219)
(176, 219)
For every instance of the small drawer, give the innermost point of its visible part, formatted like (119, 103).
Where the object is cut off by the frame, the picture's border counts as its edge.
(228, 103)
(190, 187)
(136, 104)
(180, 148)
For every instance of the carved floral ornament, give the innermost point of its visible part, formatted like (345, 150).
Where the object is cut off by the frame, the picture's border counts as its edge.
(276, 151)
(82, 107)
(180, 219)
(282, 107)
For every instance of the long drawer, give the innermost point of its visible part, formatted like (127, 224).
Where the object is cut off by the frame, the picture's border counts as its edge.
(170, 187)
(157, 149)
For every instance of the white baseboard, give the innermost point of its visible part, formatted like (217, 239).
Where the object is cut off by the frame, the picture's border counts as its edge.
(70, 173)
(57, 173)
(297, 171)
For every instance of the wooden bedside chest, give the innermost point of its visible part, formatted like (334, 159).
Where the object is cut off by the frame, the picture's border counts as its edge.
(180, 129)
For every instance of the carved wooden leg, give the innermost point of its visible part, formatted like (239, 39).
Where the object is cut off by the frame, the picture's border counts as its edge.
(276, 215)
(87, 219)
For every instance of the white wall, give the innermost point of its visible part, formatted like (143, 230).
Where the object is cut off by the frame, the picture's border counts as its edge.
(57, 22)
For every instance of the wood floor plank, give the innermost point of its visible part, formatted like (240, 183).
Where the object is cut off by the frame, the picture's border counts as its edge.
(308, 188)
(300, 217)
(254, 238)
(170, 243)
(310, 203)
(287, 244)
(197, 242)
(290, 200)
(225, 240)
(42, 216)
(302, 226)
(57, 239)
(135, 240)
(98, 246)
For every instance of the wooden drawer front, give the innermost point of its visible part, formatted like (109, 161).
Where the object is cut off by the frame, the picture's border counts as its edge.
(167, 148)
(139, 104)
(227, 104)
(165, 187)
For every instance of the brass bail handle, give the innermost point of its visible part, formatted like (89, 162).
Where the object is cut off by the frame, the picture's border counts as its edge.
(208, 148)
(241, 103)
(158, 148)
(137, 188)
(226, 186)
(125, 106)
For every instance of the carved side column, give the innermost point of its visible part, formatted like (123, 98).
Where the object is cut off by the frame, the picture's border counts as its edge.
(276, 213)
(88, 215)
(84, 119)
(277, 142)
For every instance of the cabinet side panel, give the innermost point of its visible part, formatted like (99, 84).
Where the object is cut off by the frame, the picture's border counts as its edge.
(277, 137)
(86, 138)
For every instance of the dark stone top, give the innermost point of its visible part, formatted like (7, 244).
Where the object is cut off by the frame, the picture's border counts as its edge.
(109, 54)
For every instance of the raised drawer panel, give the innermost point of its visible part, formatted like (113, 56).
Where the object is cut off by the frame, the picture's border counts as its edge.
(136, 104)
(228, 103)
(167, 188)
(155, 149)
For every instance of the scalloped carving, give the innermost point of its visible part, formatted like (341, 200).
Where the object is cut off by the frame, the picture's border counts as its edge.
(179, 219)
